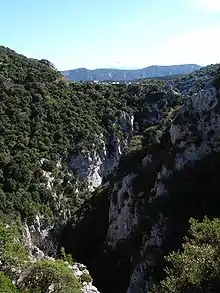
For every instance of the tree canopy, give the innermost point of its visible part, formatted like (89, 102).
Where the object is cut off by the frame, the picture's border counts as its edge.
(196, 267)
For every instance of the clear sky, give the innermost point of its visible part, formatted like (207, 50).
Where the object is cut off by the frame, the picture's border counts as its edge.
(113, 33)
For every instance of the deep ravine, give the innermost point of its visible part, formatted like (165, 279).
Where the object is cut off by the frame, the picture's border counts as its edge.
(110, 174)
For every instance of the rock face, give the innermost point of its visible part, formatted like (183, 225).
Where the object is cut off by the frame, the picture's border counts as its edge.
(92, 166)
(95, 164)
(141, 274)
(81, 271)
(125, 207)
(123, 213)
(38, 238)
(193, 135)
(40, 245)
(167, 182)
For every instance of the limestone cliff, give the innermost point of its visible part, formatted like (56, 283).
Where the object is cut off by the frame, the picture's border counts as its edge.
(192, 135)
(152, 198)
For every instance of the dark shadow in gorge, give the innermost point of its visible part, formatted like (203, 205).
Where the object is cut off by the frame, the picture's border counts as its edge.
(84, 237)
(193, 192)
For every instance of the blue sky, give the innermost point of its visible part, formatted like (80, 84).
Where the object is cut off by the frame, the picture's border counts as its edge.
(113, 33)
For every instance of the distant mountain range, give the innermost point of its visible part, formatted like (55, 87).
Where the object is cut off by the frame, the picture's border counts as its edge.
(109, 74)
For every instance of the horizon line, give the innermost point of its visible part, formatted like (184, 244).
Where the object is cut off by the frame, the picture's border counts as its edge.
(131, 69)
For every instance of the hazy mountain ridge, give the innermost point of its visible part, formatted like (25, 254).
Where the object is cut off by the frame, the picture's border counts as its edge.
(84, 74)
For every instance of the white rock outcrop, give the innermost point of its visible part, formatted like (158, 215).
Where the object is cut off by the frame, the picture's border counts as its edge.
(79, 270)
(37, 239)
(123, 214)
(92, 166)
(195, 131)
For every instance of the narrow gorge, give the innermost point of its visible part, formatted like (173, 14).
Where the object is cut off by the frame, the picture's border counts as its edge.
(99, 182)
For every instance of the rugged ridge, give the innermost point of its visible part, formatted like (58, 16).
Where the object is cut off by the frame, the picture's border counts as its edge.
(150, 203)
(83, 74)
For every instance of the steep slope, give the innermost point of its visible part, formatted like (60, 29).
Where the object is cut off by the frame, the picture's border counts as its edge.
(57, 136)
(156, 189)
(45, 123)
(112, 173)
(127, 75)
(62, 140)
(195, 81)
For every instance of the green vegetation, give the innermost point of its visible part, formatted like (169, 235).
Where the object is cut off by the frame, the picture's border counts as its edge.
(45, 274)
(195, 268)
(36, 277)
(135, 144)
(43, 116)
(145, 143)
(12, 251)
(195, 81)
(6, 285)
(193, 191)
(86, 278)
(45, 119)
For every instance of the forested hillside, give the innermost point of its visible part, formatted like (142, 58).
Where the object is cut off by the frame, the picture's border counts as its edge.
(45, 120)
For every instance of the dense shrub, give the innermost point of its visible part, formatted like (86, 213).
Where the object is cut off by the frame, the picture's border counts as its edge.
(6, 285)
(195, 268)
(44, 117)
(46, 274)
(12, 251)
